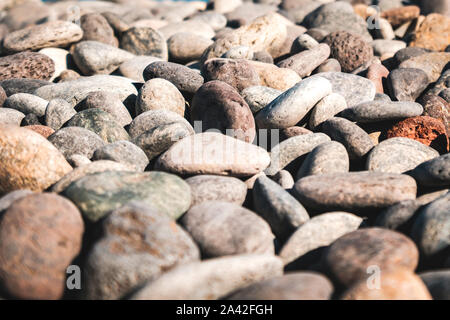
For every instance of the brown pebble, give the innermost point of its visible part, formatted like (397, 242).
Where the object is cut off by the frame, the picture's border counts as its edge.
(292, 132)
(437, 108)
(401, 15)
(42, 130)
(31, 65)
(433, 33)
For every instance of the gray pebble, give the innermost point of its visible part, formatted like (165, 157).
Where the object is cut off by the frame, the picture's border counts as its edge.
(407, 84)
(258, 97)
(11, 116)
(433, 173)
(307, 61)
(326, 109)
(123, 152)
(57, 113)
(26, 103)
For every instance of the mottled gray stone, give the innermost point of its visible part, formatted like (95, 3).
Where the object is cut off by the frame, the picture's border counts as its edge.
(282, 211)
(319, 231)
(216, 188)
(10, 116)
(354, 191)
(123, 152)
(57, 113)
(26, 103)
(407, 84)
(306, 61)
(433, 173)
(258, 97)
(326, 109)
(19, 85)
(144, 42)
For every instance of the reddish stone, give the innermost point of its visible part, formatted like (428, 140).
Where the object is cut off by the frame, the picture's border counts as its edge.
(437, 108)
(424, 129)
(401, 15)
(27, 64)
(42, 130)
(376, 73)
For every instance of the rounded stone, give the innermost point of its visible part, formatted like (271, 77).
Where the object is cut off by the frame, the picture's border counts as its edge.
(42, 130)
(144, 42)
(433, 33)
(349, 256)
(219, 106)
(258, 97)
(216, 188)
(29, 65)
(433, 63)
(354, 191)
(306, 61)
(437, 108)
(329, 65)
(239, 52)
(45, 231)
(58, 112)
(376, 111)
(407, 84)
(11, 116)
(223, 228)
(123, 152)
(26, 103)
(96, 28)
(326, 109)
(433, 173)
(134, 68)
(159, 94)
(98, 194)
(186, 47)
(28, 160)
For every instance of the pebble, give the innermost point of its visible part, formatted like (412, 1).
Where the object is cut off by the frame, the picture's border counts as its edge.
(407, 84)
(437, 108)
(383, 47)
(185, 46)
(36, 163)
(304, 42)
(224, 229)
(431, 229)
(258, 97)
(432, 63)
(216, 188)
(434, 172)
(400, 15)
(438, 283)
(433, 33)
(353, 88)
(376, 111)
(217, 105)
(355, 140)
(134, 67)
(8, 199)
(185, 79)
(329, 65)
(293, 105)
(11, 116)
(351, 50)
(216, 20)
(49, 34)
(329, 157)
(98, 194)
(319, 231)
(222, 275)
(26, 103)
(398, 284)
(31, 65)
(159, 94)
(42, 130)
(349, 256)
(237, 73)
(293, 286)
(293, 148)
(214, 153)
(93, 57)
(142, 243)
(100, 122)
(275, 205)
(61, 58)
(78, 160)
(424, 129)
(96, 28)
(76, 140)
(306, 61)
(354, 191)
(123, 152)
(274, 77)
(45, 231)
(408, 53)
(326, 109)
(29, 120)
(239, 52)
(284, 179)
(377, 73)
(144, 42)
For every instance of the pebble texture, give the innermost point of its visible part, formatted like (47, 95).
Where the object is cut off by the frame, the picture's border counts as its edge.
(29, 65)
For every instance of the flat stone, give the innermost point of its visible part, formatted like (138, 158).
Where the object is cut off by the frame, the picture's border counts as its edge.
(407, 84)
(144, 42)
(319, 231)
(49, 34)
(28, 160)
(432, 63)
(433, 173)
(134, 68)
(212, 278)
(258, 97)
(98, 194)
(291, 149)
(438, 283)
(326, 109)
(292, 286)
(123, 152)
(376, 111)
(214, 153)
(217, 105)
(224, 228)
(398, 155)
(354, 191)
(349, 256)
(26, 103)
(431, 229)
(30, 65)
(11, 116)
(139, 244)
(328, 157)
(355, 140)
(216, 188)
(306, 61)
(293, 105)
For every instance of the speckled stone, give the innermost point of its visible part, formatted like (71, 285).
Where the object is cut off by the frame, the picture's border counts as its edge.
(433, 173)
(349, 257)
(42, 130)
(433, 33)
(216, 188)
(431, 229)
(144, 42)
(275, 205)
(96, 28)
(354, 191)
(123, 152)
(319, 231)
(97, 194)
(291, 149)
(329, 157)
(11, 116)
(407, 84)
(76, 140)
(26, 103)
(212, 278)
(214, 153)
(58, 112)
(219, 106)
(224, 228)
(293, 105)
(3, 96)
(398, 155)
(326, 109)
(258, 97)
(356, 140)
(292, 286)
(30, 65)
(139, 244)
(437, 108)
(306, 61)
(376, 111)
